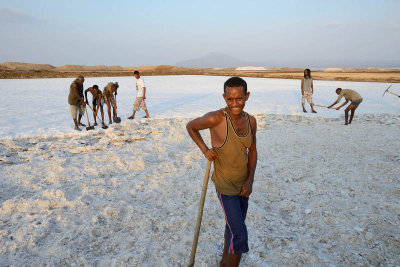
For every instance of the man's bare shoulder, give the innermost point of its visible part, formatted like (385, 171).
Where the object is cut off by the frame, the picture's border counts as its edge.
(209, 120)
(214, 117)
(253, 122)
(218, 114)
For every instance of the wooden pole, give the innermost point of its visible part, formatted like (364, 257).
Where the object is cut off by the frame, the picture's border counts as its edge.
(200, 214)
(320, 106)
(393, 93)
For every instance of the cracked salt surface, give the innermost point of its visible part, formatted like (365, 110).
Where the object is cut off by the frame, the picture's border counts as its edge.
(324, 193)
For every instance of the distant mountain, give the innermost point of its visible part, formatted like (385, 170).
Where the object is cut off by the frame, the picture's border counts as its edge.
(220, 60)
(25, 66)
(214, 60)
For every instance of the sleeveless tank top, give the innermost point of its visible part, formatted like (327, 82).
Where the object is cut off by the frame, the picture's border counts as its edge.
(307, 84)
(230, 167)
(72, 98)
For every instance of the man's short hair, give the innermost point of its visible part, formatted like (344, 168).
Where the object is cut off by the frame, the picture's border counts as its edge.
(81, 77)
(136, 72)
(338, 89)
(95, 87)
(236, 82)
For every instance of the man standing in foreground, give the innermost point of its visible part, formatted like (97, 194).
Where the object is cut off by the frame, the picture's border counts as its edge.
(140, 97)
(234, 152)
(77, 101)
(349, 95)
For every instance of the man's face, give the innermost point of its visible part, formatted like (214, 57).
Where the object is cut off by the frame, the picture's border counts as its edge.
(235, 99)
(338, 91)
(81, 80)
(136, 76)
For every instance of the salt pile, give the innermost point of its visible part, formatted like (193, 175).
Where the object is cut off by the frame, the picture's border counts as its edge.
(324, 194)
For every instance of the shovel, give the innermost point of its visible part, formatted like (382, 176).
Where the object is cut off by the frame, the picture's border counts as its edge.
(89, 127)
(200, 214)
(102, 123)
(116, 119)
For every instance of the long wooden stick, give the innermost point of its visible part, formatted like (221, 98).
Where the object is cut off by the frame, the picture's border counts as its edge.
(87, 117)
(102, 122)
(393, 93)
(96, 114)
(320, 106)
(200, 214)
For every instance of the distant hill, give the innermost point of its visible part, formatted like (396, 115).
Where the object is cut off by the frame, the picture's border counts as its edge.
(214, 60)
(25, 66)
(88, 68)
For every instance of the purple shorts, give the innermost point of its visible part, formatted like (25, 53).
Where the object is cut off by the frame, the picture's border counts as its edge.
(235, 210)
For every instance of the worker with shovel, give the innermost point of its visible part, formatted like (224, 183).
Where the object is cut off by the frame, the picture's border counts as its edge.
(109, 94)
(234, 152)
(76, 101)
(349, 95)
(97, 102)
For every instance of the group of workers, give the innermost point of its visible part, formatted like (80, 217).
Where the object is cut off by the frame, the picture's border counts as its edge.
(233, 144)
(307, 90)
(78, 100)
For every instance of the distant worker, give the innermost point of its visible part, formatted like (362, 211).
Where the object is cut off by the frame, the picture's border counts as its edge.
(97, 102)
(77, 101)
(307, 90)
(349, 95)
(108, 93)
(140, 97)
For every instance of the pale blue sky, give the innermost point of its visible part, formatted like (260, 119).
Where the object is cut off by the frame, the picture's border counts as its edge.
(132, 33)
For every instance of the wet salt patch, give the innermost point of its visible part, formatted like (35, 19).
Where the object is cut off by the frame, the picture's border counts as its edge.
(135, 203)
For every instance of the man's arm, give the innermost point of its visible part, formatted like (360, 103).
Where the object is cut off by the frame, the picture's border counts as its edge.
(334, 103)
(86, 96)
(144, 92)
(337, 100)
(99, 96)
(312, 87)
(194, 127)
(75, 90)
(247, 187)
(347, 101)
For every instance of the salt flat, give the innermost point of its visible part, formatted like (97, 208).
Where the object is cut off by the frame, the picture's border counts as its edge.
(39, 106)
(324, 193)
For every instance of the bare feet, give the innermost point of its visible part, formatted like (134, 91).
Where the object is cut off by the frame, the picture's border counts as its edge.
(81, 124)
(313, 111)
(305, 111)
(77, 128)
(95, 124)
(131, 117)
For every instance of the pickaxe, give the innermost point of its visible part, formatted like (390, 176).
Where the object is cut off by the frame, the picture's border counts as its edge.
(387, 90)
